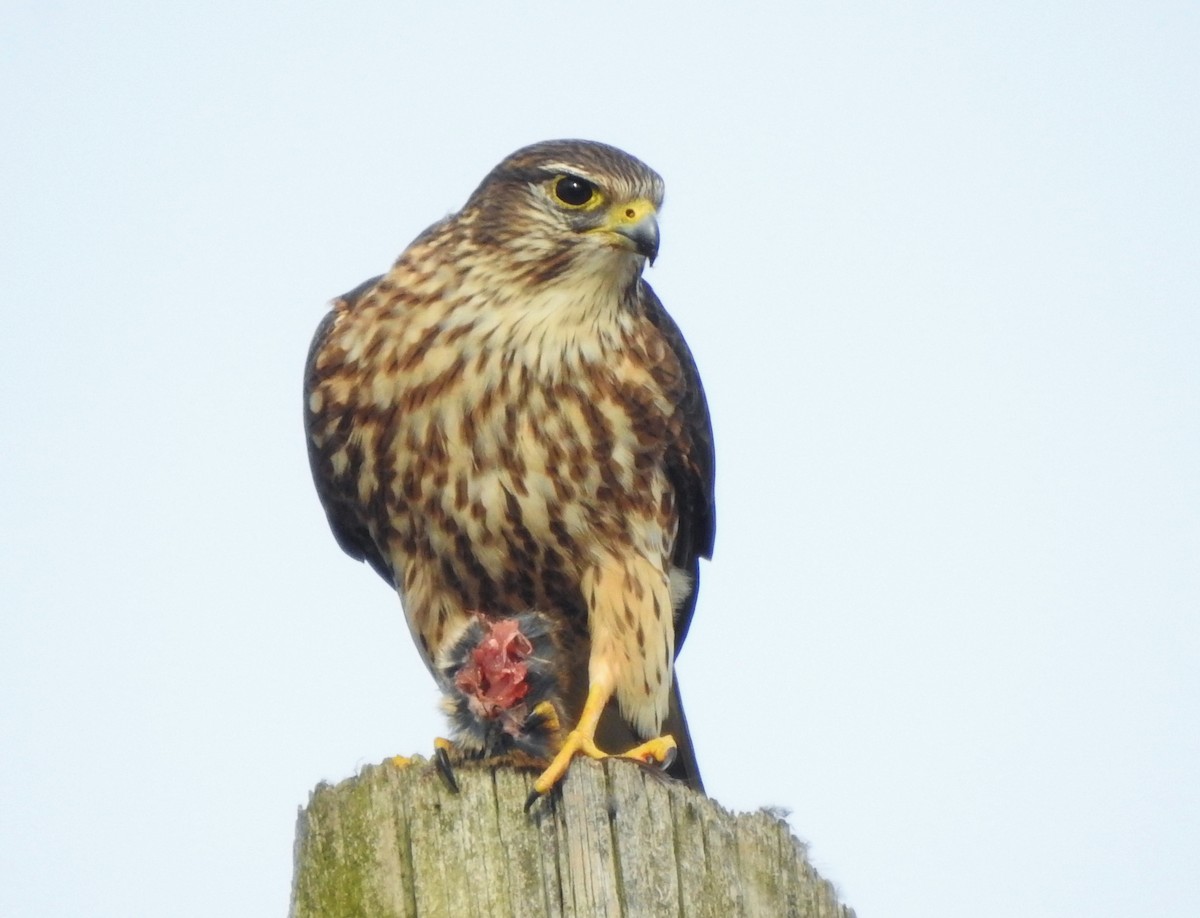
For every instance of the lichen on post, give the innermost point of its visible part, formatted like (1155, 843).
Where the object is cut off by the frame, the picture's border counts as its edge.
(618, 841)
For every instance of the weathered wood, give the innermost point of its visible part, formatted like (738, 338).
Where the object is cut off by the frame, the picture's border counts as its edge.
(618, 842)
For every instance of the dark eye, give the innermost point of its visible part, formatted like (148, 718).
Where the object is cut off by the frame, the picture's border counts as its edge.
(571, 189)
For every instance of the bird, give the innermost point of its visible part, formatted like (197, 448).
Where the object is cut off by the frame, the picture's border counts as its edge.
(508, 422)
(502, 689)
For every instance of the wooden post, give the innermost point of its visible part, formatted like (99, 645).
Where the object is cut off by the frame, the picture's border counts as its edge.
(618, 842)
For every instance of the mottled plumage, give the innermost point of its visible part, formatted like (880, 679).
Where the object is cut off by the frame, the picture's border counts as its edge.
(508, 420)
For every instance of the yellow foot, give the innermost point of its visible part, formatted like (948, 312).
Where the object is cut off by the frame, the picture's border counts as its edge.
(543, 719)
(660, 750)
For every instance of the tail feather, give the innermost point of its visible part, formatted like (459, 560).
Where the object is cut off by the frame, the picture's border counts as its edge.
(614, 734)
(685, 767)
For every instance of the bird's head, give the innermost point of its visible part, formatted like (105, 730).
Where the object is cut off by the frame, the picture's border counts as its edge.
(501, 688)
(570, 203)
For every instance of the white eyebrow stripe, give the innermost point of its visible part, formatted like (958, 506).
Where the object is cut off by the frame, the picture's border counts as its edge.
(573, 170)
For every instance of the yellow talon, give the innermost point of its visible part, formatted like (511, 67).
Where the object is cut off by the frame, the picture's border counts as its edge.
(544, 717)
(659, 751)
(576, 743)
(581, 741)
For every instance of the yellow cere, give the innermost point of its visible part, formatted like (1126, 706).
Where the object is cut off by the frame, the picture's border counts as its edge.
(631, 212)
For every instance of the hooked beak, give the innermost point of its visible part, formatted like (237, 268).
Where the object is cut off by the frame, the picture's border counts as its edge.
(636, 222)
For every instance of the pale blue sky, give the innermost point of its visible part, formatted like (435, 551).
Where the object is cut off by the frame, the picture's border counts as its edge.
(940, 268)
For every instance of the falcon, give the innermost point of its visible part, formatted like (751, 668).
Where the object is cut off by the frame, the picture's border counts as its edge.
(510, 429)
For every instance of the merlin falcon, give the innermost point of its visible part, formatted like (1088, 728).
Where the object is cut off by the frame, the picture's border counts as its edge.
(510, 429)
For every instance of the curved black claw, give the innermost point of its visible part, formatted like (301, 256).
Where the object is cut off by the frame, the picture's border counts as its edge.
(533, 798)
(442, 759)
(669, 758)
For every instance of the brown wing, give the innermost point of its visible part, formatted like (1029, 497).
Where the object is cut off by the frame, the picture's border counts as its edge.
(339, 497)
(691, 466)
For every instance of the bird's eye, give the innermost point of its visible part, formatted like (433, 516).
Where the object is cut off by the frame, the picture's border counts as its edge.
(574, 191)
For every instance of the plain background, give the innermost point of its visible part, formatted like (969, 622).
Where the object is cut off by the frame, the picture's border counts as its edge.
(938, 265)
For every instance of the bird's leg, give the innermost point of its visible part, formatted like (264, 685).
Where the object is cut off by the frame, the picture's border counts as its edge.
(581, 741)
(614, 643)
